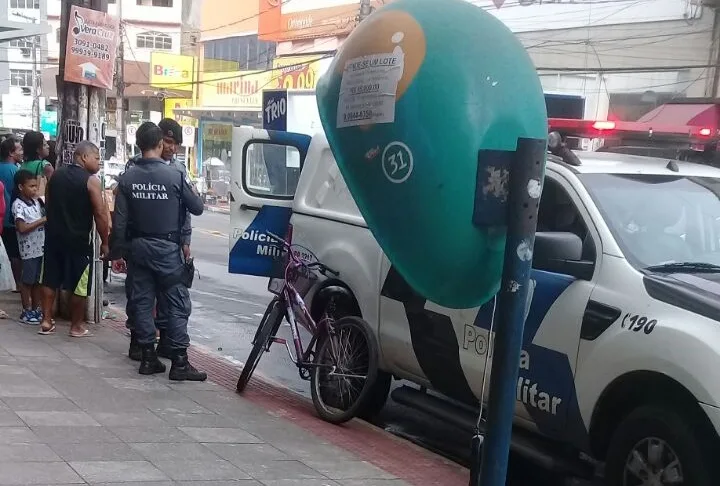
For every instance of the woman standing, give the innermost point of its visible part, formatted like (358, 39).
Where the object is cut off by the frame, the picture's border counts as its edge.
(36, 150)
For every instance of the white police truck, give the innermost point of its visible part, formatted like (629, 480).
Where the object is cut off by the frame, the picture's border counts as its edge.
(621, 349)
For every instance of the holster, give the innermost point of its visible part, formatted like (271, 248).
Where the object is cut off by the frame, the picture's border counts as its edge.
(184, 276)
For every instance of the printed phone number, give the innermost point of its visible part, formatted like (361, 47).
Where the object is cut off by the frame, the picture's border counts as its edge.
(357, 115)
(80, 51)
(98, 46)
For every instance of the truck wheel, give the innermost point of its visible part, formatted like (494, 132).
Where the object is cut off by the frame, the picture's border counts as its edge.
(656, 445)
(377, 397)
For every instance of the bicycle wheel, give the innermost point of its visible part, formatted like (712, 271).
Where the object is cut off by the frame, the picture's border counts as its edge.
(268, 309)
(267, 329)
(346, 369)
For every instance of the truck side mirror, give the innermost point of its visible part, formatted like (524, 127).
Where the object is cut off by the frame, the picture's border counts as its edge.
(561, 252)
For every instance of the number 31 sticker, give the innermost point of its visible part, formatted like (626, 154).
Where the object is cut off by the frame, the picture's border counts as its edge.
(397, 162)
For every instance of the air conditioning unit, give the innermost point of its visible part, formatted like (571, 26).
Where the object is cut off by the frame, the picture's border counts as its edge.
(25, 51)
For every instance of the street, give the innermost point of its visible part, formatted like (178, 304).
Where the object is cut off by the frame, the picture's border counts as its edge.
(226, 311)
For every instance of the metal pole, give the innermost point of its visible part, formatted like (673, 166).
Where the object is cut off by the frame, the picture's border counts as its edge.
(95, 132)
(365, 9)
(120, 120)
(35, 85)
(525, 179)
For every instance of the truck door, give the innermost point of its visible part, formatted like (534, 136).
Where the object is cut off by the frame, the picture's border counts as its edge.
(265, 169)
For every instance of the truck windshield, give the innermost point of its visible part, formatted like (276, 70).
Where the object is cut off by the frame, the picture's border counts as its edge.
(660, 219)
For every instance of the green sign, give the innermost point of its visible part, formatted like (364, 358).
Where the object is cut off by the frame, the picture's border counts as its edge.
(48, 122)
(413, 95)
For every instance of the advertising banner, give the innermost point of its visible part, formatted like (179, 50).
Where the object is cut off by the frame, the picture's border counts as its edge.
(171, 71)
(238, 89)
(275, 110)
(91, 47)
(296, 72)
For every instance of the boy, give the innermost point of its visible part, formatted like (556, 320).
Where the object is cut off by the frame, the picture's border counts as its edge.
(28, 213)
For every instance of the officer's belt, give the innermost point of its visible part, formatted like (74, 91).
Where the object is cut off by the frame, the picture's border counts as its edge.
(173, 236)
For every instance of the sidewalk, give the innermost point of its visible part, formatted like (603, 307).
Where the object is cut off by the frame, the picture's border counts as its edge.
(75, 411)
(218, 208)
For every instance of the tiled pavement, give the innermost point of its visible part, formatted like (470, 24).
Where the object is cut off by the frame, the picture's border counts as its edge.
(75, 411)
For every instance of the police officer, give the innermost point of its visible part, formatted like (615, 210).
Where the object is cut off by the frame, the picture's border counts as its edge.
(150, 209)
(172, 139)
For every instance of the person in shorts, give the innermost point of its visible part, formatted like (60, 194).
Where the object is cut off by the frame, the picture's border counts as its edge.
(74, 202)
(29, 217)
(11, 155)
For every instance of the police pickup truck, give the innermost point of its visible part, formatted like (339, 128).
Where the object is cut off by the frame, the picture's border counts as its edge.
(621, 349)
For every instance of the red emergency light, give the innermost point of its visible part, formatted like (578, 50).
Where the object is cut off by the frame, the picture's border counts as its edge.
(608, 129)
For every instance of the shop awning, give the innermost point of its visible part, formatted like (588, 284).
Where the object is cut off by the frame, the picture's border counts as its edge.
(17, 30)
(692, 114)
(232, 114)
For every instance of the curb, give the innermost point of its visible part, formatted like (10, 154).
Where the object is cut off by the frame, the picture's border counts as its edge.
(408, 462)
(216, 209)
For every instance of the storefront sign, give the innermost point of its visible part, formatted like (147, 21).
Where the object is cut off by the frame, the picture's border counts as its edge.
(172, 104)
(284, 23)
(217, 132)
(171, 71)
(296, 72)
(91, 46)
(239, 89)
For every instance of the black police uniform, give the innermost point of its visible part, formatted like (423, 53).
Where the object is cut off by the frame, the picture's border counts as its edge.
(150, 208)
(163, 348)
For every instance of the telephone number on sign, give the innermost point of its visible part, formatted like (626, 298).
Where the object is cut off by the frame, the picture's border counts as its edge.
(92, 45)
(358, 115)
(79, 51)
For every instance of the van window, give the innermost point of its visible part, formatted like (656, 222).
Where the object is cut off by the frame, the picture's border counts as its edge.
(271, 170)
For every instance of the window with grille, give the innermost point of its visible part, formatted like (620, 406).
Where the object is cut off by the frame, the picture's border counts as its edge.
(31, 4)
(21, 43)
(154, 40)
(21, 78)
(239, 53)
(155, 3)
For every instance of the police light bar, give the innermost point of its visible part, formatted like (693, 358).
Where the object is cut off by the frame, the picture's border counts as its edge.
(608, 129)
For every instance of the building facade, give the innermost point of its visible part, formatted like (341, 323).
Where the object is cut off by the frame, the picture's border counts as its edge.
(17, 62)
(149, 25)
(621, 57)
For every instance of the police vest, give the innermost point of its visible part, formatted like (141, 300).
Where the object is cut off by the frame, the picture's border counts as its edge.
(155, 209)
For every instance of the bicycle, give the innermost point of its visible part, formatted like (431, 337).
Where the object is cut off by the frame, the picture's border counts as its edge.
(341, 359)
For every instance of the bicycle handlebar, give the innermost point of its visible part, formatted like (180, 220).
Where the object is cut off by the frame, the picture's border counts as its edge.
(276, 237)
(324, 269)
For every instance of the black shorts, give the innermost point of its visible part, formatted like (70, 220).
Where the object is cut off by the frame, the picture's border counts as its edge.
(9, 239)
(32, 271)
(67, 269)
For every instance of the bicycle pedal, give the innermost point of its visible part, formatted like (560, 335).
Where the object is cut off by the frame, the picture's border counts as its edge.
(278, 340)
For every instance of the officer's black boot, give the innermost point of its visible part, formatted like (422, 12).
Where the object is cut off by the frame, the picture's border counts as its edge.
(135, 350)
(150, 364)
(182, 370)
(163, 347)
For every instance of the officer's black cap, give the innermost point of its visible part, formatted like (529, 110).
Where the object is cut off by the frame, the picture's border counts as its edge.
(171, 128)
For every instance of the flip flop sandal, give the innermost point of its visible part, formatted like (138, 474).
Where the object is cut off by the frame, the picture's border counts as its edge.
(47, 332)
(4, 315)
(86, 333)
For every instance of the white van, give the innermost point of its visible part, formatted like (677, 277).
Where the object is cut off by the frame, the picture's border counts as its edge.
(622, 341)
